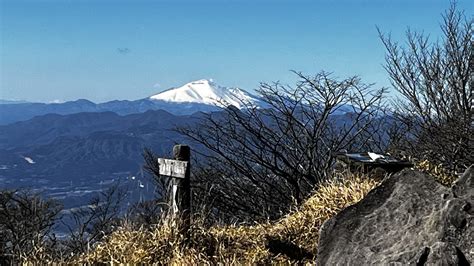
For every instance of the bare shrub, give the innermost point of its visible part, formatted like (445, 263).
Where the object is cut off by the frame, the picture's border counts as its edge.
(435, 84)
(92, 222)
(26, 223)
(260, 161)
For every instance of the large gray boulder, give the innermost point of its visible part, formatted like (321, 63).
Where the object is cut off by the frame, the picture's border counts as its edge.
(408, 219)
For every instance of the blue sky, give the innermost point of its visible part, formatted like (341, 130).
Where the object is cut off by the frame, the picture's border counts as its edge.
(104, 50)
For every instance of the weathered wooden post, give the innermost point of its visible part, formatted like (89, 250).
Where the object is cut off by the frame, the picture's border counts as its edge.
(179, 170)
(183, 195)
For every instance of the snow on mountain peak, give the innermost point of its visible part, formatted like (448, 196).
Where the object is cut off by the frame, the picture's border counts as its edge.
(206, 91)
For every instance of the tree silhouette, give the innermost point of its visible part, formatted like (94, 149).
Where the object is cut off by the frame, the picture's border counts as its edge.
(435, 83)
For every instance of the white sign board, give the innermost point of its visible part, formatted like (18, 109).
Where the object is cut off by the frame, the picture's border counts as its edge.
(173, 168)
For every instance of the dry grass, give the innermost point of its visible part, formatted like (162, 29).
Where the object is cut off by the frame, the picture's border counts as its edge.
(437, 171)
(298, 231)
(235, 244)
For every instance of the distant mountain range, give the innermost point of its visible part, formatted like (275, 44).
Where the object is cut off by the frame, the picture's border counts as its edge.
(72, 150)
(11, 101)
(197, 96)
(72, 157)
(83, 144)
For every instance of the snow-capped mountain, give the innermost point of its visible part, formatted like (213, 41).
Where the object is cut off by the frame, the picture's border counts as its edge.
(206, 91)
(197, 96)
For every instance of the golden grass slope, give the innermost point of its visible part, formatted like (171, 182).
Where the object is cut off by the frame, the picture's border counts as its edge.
(233, 244)
(437, 171)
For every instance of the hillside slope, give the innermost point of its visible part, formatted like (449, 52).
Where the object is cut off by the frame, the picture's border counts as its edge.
(291, 239)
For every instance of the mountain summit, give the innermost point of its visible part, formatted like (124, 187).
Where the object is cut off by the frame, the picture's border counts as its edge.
(206, 91)
(197, 96)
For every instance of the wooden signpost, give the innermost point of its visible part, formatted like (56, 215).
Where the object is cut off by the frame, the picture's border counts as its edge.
(173, 168)
(180, 173)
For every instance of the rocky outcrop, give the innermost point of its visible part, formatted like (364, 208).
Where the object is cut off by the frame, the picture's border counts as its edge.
(408, 219)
